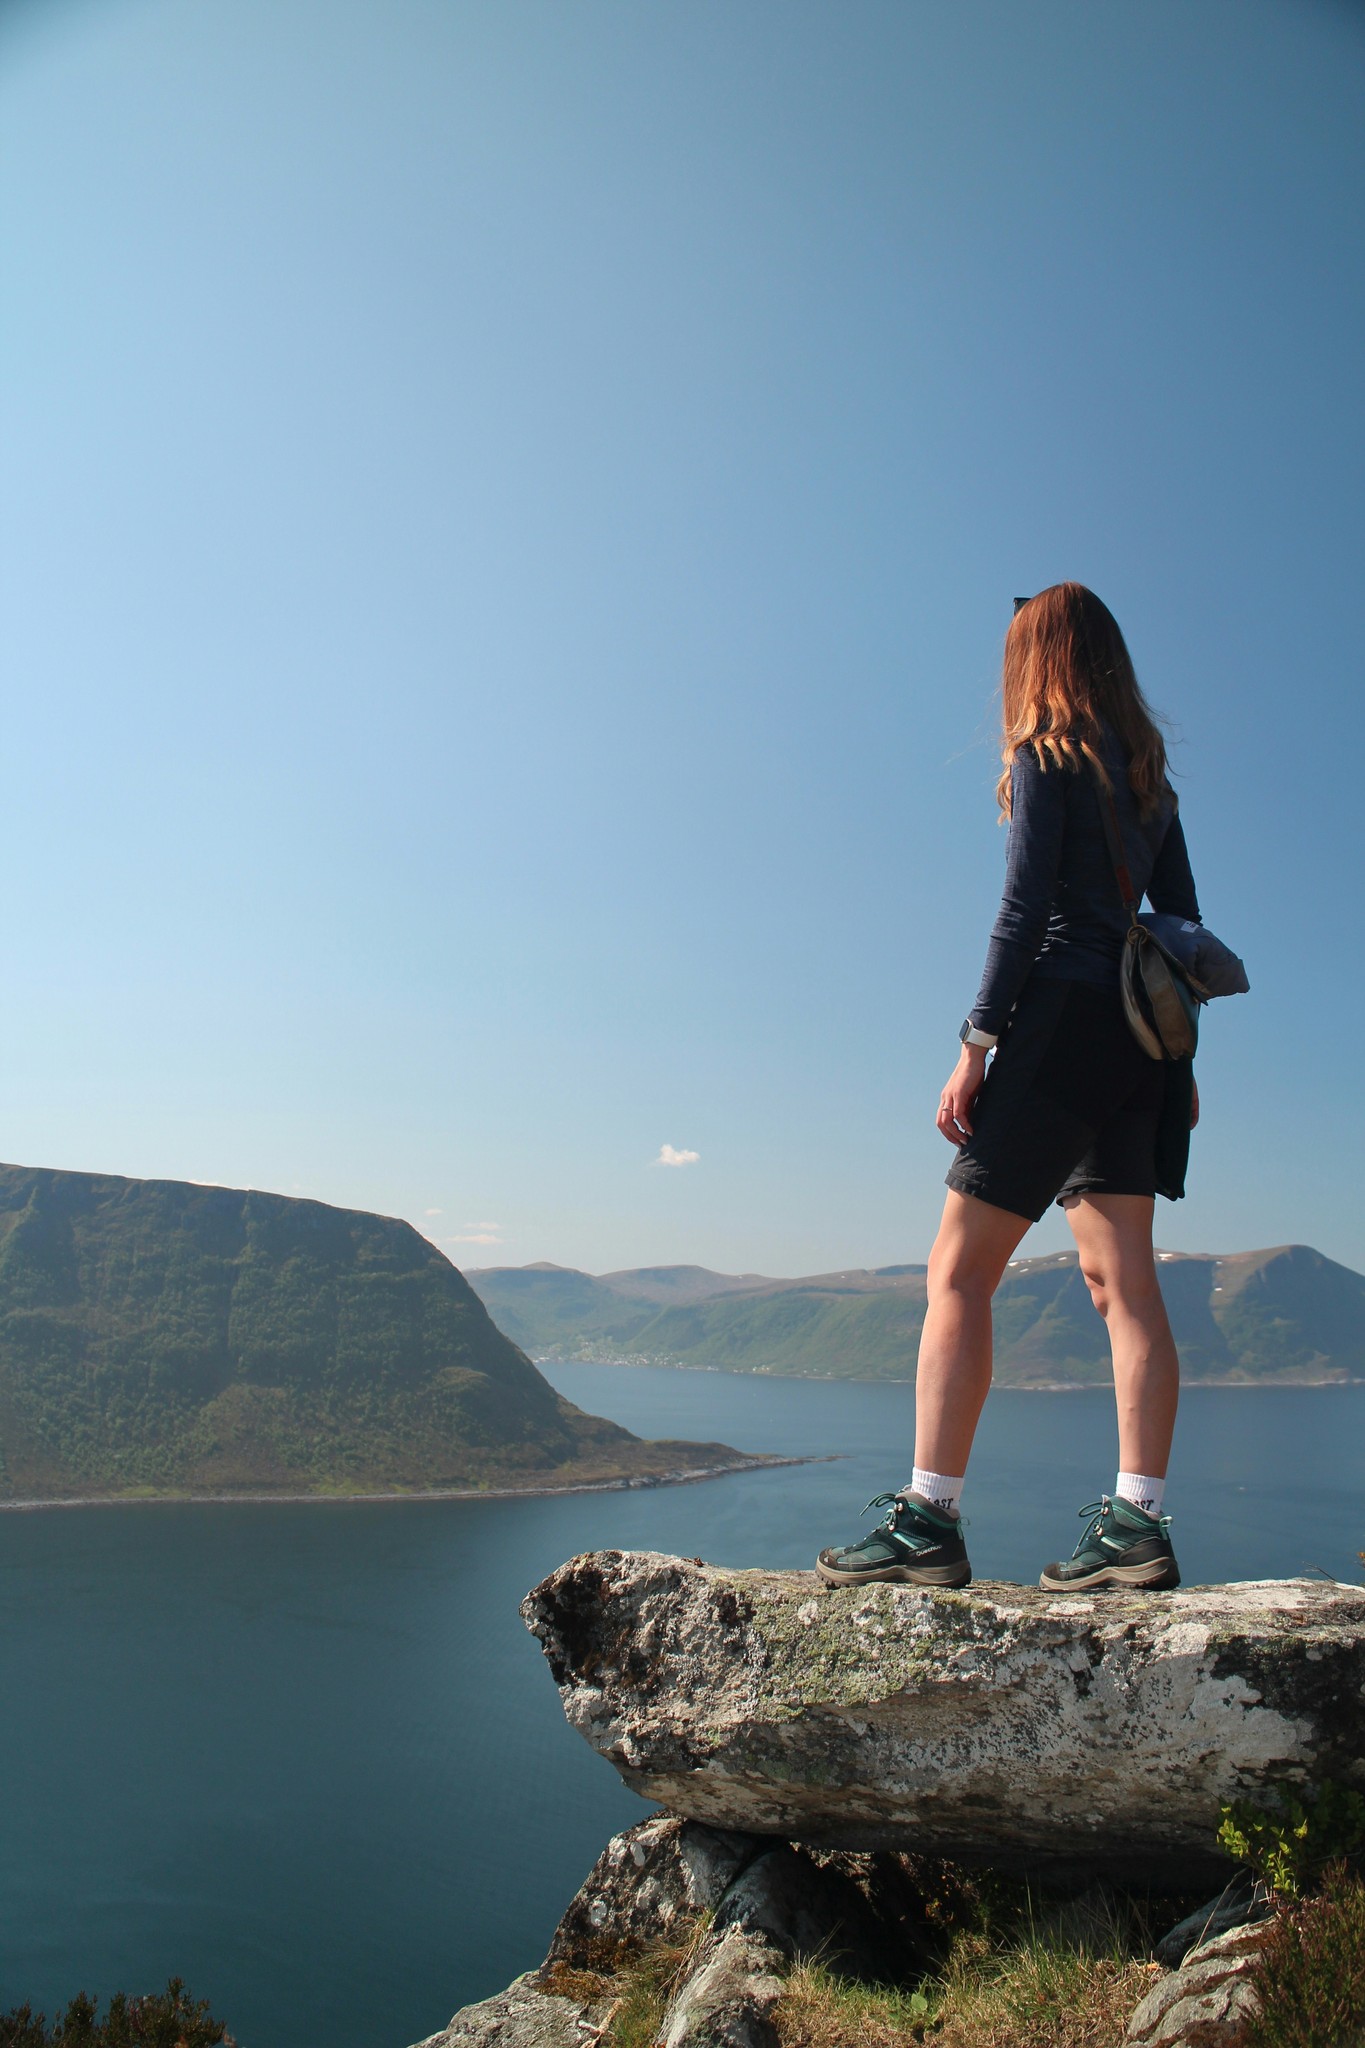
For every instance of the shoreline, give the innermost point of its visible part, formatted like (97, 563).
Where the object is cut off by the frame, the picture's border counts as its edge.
(688, 1476)
(879, 1379)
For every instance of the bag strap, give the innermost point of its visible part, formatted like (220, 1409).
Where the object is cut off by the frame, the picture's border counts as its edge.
(1109, 816)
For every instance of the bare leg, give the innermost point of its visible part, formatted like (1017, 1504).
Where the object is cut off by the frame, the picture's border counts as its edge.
(974, 1243)
(1113, 1235)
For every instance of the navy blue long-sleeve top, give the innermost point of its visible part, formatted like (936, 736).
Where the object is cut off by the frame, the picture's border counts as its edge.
(1061, 914)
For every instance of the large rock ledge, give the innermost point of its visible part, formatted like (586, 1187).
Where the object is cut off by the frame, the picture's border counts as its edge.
(998, 1725)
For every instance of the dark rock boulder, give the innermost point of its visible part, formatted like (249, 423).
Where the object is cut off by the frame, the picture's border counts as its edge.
(646, 1887)
(1241, 1903)
(862, 1914)
(865, 1912)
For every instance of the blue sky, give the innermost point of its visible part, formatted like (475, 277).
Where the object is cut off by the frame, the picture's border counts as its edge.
(510, 512)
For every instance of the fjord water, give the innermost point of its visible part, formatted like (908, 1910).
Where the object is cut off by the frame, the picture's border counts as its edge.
(307, 1758)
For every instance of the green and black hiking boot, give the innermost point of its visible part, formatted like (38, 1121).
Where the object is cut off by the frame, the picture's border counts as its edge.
(917, 1543)
(1122, 1546)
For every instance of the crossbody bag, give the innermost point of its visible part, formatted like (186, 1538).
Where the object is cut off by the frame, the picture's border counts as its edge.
(1170, 965)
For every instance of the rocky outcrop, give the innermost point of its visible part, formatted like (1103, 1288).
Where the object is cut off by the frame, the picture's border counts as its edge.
(1207, 2002)
(647, 1885)
(727, 2000)
(758, 1905)
(733, 1911)
(819, 1749)
(999, 1725)
(863, 1911)
(525, 2015)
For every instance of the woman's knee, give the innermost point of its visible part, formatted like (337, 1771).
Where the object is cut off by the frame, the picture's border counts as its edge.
(1129, 1289)
(963, 1269)
(1096, 1278)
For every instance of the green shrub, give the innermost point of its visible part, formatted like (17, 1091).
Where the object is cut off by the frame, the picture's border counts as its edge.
(169, 2019)
(1290, 1847)
(1311, 1979)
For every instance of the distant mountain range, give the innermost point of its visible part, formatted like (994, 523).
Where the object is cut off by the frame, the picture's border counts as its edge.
(1286, 1315)
(158, 1337)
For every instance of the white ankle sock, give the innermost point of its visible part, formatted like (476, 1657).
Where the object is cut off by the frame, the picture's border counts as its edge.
(1143, 1492)
(945, 1493)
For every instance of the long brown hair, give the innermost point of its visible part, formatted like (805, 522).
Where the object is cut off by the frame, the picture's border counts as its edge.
(1066, 671)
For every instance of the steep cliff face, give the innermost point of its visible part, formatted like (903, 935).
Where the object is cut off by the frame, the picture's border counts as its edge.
(159, 1336)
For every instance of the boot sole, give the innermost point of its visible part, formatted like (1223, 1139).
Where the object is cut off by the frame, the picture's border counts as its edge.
(1158, 1575)
(902, 1574)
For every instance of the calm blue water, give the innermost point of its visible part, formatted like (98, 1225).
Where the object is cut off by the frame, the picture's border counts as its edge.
(308, 1759)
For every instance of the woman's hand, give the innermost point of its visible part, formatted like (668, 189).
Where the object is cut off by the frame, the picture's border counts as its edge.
(1194, 1102)
(958, 1099)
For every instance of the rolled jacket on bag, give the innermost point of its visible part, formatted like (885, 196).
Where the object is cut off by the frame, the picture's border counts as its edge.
(1201, 956)
(1160, 974)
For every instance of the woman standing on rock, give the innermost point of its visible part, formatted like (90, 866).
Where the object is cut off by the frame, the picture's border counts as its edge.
(1070, 1110)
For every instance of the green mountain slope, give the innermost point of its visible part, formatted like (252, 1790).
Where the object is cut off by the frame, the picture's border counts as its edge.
(1287, 1315)
(161, 1337)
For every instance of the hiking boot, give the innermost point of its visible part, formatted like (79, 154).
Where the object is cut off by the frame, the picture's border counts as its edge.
(1122, 1546)
(917, 1543)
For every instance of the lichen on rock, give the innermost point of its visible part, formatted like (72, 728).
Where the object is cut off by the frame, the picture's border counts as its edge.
(999, 1724)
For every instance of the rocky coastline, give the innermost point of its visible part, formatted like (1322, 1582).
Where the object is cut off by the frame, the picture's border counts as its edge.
(827, 1758)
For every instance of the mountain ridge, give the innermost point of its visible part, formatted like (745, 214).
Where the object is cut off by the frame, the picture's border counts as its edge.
(1281, 1315)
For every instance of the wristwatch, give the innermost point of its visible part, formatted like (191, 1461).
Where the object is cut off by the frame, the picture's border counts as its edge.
(969, 1035)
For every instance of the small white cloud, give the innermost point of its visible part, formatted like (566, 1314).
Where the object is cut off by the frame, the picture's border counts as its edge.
(433, 1212)
(669, 1155)
(471, 1233)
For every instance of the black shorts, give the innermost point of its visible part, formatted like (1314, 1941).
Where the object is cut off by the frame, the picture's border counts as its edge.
(1071, 1105)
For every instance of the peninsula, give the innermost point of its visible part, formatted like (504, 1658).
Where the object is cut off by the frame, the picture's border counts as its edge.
(163, 1339)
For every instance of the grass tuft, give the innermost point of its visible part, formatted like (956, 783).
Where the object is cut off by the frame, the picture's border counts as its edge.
(821, 2010)
(1011, 1978)
(1038, 1992)
(565, 1982)
(645, 1988)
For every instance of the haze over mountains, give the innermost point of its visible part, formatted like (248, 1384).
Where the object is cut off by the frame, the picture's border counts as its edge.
(1287, 1315)
(161, 1337)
